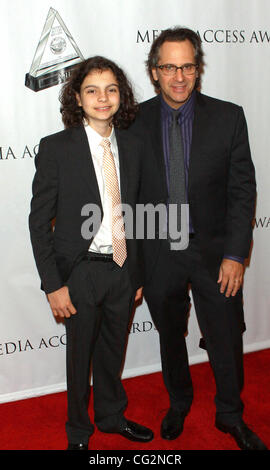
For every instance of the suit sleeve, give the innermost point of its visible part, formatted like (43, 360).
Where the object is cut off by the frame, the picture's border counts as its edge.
(241, 192)
(43, 211)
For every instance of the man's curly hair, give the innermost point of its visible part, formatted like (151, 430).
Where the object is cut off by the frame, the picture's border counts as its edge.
(73, 114)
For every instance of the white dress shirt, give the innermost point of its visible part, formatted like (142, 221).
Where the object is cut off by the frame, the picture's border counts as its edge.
(102, 243)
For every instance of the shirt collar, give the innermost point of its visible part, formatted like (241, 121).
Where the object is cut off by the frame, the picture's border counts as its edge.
(186, 110)
(96, 138)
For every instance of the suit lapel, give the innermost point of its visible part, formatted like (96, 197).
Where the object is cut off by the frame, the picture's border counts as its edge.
(200, 137)
(85, 166)
(124, 152)
(154, 125)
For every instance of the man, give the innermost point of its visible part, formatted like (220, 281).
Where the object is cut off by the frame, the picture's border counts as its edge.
(199, 155)
(90, 275)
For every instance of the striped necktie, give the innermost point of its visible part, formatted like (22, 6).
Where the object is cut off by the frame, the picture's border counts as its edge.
(112, 187)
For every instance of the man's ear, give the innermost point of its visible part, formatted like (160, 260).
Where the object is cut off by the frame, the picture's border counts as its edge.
(154, 74)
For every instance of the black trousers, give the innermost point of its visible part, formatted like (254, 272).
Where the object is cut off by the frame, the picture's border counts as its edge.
(220, 320)
(97, 334)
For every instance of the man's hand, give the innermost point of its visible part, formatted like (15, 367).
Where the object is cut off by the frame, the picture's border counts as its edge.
(230, 276)
(60, 303)
(138, 294)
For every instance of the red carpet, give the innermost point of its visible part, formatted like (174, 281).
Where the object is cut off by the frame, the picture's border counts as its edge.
(39, 423)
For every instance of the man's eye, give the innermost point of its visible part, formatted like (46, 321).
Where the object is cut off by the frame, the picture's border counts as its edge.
(169, 67)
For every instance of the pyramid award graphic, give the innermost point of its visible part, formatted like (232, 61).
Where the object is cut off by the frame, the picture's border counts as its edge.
(55, 56)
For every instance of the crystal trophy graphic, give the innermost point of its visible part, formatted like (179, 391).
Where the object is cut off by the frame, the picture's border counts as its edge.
(55, 56)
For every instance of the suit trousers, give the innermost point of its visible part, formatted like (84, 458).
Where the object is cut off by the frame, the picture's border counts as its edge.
(103, 297)
(220, 320)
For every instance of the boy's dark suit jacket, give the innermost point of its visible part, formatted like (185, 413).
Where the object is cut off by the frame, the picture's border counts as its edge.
(64, 182)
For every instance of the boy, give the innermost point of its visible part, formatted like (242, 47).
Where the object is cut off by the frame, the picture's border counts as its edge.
(90, 281)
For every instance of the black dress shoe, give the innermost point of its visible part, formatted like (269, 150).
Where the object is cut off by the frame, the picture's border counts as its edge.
(173, 424)
(80, 446)
(243, 436)
(136, 432)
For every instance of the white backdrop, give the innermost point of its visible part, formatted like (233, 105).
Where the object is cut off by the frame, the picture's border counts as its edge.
(235, 37)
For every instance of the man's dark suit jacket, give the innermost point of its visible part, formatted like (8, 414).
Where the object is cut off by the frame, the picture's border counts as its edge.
(221, 181)
(64, 182)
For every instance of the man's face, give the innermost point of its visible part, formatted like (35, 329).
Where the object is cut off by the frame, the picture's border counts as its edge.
(176, 89)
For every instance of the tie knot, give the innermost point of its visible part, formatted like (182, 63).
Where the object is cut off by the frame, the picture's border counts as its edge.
(106, 144)
(175, 115)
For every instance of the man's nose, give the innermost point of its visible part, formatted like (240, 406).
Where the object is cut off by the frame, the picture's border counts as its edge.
(179, 75)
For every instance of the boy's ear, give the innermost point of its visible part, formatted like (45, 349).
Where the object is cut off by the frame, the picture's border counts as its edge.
(78, 98)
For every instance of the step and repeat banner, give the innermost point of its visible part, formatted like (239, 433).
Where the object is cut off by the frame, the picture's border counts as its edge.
(39, 41)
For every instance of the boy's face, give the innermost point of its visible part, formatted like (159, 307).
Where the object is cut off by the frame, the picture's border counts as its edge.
(99, 97)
